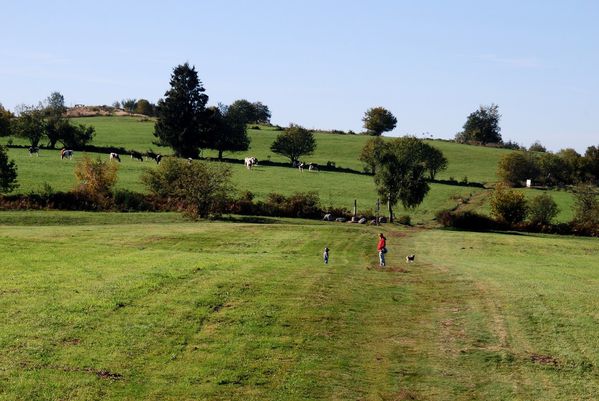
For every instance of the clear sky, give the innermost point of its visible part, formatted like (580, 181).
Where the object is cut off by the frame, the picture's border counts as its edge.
(321, 64)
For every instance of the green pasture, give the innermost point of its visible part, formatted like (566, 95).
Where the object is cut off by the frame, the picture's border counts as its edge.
(336, 189)
(152, 307)
(476, 163)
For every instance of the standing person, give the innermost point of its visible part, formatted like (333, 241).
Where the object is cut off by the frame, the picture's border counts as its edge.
(382, 249)
(325, 255)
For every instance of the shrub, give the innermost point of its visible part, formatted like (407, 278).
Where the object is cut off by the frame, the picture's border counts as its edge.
(404, 219)
(466, 221)
(508, 205)
(516, 167)
(129, 201)
(96, 180)
(305, 205)
(586, 211)
(542, 209)
(200, 189)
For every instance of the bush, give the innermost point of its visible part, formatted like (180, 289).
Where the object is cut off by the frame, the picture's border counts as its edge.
(542, 209)
(586, 211)
(129, 201)
(200, 189)
(306, 205)
(96, 180)
(404, 219)
(516, 167)
(466, 221)
(508, 206)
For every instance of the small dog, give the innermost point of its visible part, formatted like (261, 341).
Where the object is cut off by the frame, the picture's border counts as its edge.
(410, 258)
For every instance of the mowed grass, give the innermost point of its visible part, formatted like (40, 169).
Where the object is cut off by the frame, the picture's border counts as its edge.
(523, 324)
(170, 310)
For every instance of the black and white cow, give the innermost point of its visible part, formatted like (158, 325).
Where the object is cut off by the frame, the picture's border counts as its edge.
(115, 156)
(66, 154)
(250, 162)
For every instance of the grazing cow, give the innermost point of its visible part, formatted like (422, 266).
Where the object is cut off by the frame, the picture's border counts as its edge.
(250, 162)
(158, 158)
(115, 156)
(34, 149)
(300, 166)
(137, 156)
(66, 153)
(312, 167)
(151, 155)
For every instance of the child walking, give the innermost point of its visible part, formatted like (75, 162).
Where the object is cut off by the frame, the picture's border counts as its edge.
(325, 255)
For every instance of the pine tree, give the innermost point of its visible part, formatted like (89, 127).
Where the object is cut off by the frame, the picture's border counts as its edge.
(182, 113)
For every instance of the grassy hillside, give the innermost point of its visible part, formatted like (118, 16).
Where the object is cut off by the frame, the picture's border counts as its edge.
(477, 163)
(131, 310)
(335, 188)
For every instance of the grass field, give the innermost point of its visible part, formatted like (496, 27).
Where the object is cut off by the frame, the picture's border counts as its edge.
(337, 189)
(147, 306)
(477, 163)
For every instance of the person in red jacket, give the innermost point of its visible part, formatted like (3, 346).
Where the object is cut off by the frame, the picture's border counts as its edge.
(382, 249)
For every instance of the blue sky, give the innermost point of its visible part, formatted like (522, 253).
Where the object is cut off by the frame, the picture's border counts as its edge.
(321, 64)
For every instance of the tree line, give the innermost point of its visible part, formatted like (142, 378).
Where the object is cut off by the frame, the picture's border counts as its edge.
(45, 121)
(566, 167)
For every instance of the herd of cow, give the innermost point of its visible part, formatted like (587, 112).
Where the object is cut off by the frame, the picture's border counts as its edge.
(249, 162)
(68, 154)
(252, 161)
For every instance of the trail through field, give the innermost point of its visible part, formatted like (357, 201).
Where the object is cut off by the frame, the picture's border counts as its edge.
(245, 311)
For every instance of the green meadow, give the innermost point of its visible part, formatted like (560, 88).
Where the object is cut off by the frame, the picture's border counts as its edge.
(105, 306)
(336, 188)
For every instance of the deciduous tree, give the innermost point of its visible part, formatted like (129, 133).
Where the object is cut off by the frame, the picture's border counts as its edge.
(226, 131)
(30, 124)
(378, 120)
(5, 121)
(482, 126)
(144, 107)
(400, 173)
(294, 142)
(516, 167)
(371, 153)
(434, 160)
(251, 113)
